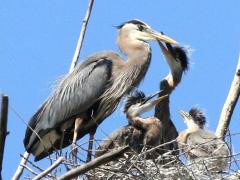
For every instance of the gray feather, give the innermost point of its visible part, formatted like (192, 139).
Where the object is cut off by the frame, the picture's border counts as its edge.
(67, 100)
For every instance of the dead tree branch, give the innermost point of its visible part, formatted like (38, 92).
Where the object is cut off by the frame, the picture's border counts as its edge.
(3, 128)
(110, 156)
(81, 36)
(48, 170)
(21, 166)
(230, 103)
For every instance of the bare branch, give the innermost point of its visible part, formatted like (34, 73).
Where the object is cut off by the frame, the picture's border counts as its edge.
(81, 36)
(230, 103)
(21, 166)
(48, 170)
(3, 128)
(110, 156)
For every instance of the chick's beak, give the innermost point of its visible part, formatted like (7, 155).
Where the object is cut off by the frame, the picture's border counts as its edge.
(160, 37)
(183, 114)
(146, 99)
(145, 105)
(156, 101)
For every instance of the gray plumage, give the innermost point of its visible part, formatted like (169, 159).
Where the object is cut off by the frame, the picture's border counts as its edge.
(201, 145)
(68, 101)
(134, 135)
(91, 92)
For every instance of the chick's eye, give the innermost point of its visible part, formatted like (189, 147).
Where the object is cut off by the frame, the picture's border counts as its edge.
(140, 27)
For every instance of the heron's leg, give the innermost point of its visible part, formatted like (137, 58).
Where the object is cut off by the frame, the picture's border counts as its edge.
(62, 138)
(78, 123)
(90, 144)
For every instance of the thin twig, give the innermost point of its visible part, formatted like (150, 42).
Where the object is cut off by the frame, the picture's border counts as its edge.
(48, 170)
(110, 156)
(81, 36)
(230, 103)
(29, 169)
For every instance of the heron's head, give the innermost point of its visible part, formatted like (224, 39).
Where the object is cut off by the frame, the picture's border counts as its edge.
(137, 103)
(138, 30)
(195, 118)
(176, 57)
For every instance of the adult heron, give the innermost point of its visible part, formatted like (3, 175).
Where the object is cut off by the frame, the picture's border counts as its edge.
(134, 136)
(201, 145)
(88, 95)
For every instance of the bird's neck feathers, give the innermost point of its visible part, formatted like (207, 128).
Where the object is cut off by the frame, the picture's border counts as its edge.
(173, 80)
(175, 75)
(192, 126)
(137, 64)
(177, 60)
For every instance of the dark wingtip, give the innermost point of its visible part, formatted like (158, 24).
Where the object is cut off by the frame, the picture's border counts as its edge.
(135, 97)
(198, 116)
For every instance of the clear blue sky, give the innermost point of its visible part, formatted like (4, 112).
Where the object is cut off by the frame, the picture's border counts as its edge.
(38, 39)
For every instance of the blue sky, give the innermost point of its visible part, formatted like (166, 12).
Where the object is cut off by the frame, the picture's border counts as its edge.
(38, 39)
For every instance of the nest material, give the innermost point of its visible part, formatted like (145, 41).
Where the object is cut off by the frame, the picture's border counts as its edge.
(137, 167)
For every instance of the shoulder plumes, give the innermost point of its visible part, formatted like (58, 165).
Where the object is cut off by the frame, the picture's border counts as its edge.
(134, 98)
(198, 116)
(134, 21)
(180, 54)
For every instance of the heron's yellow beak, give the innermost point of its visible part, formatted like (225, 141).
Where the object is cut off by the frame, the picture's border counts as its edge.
(160, 37)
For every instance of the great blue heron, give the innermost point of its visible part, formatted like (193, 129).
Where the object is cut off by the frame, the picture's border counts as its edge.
(202, 145)
(133, 136)
(84, 98)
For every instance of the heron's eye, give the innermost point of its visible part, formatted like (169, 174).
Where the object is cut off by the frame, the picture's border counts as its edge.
(140, 27)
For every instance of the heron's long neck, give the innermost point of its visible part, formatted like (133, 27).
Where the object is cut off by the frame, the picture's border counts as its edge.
(136, 66)
(126, 75)
(162, 110)
(173, 79)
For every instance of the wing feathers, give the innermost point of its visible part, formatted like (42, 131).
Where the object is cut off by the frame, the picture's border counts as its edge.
(76, 93)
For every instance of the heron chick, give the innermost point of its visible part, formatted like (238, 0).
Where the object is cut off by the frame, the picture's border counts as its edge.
(201, 145)
(137, 104)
